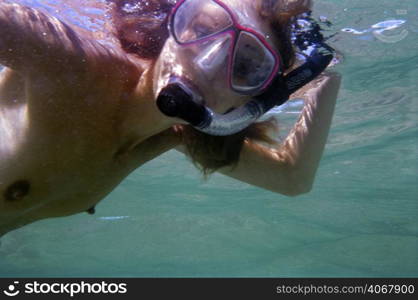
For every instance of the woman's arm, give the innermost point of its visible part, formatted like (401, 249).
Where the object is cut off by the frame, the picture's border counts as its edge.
(30, 39)
(290, 168)
(33, 41)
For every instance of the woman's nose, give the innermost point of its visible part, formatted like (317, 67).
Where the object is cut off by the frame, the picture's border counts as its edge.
(212, 59)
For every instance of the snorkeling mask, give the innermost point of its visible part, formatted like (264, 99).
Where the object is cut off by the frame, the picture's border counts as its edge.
(253, 67)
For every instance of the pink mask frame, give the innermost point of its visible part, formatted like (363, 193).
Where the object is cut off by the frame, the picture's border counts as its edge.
(234, 30)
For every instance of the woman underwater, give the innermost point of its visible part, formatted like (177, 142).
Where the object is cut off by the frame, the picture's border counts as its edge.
(76, 117)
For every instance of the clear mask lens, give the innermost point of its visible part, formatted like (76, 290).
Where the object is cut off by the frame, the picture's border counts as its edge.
(196, 20)
(252, 63)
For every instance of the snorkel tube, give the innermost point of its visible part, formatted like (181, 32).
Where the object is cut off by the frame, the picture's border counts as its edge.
(176, 100)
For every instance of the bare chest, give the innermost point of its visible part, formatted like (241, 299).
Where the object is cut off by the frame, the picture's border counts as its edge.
(57, 149)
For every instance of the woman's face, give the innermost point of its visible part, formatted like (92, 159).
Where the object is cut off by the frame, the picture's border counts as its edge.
(205, 66)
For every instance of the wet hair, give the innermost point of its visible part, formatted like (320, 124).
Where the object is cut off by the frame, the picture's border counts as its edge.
(141, 27)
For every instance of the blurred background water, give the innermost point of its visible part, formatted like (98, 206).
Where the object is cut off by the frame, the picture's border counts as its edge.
(361, 219)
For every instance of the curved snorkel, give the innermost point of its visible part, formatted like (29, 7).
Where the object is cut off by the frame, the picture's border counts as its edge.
(176, 100)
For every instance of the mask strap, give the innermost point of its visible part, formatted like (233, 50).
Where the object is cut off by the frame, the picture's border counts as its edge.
(282, 87)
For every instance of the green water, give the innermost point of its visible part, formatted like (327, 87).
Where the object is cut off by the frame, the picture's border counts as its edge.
(361, 219)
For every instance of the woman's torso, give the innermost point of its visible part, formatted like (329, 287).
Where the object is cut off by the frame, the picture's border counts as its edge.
(61, 148)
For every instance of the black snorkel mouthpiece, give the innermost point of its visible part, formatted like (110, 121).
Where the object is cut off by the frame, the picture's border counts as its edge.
(178, 100)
